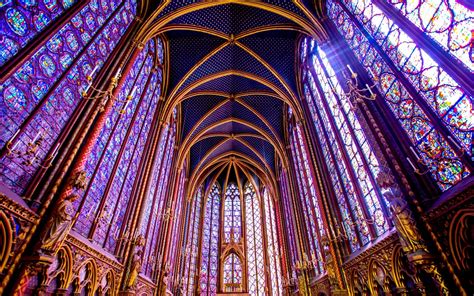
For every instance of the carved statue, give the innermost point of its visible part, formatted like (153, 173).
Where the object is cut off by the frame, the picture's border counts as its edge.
(410, 237)
(164, 281)
(58, 226)
(329, 262)
(134, 269)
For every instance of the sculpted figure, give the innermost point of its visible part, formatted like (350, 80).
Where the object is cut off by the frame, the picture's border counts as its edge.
(134, 269)
(59, 225)
(410, 237)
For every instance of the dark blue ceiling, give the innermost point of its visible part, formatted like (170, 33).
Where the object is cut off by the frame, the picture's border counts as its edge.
(266, 56)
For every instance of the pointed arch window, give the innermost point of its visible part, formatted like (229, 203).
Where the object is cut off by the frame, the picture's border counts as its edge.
(347, 151)
(309, 197)
(232, 214)
(115, 158)
(39, 94)
(254, 235)
(192, 242)
(232, 273)
(273, 249)
(422, 86)
(210, 243)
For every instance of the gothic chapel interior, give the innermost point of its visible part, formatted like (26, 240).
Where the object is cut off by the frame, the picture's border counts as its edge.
(237, 147)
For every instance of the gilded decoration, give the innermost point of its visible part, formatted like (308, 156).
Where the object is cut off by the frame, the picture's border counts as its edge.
(15, 221)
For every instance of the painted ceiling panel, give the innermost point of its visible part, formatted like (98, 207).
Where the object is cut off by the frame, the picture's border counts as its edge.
(231, 18)
(200, 149)
(232, 84)
(282, 55)
(195, 108)
(232, 127)
(186, 49)
(263, 105)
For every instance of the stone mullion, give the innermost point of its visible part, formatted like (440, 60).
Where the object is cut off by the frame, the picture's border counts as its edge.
(39, 40)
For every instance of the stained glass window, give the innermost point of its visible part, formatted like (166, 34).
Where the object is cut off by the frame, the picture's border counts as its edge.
(154, 203)
(41, 93)
(426, 90)
(20, 23)
(192, 242)
(348, 153)
(288, 221)
(273, 250)
(232, 273)
(115, 158)
(308, 197)
(449, 23)
(176, 225)
(160, 210)
(232, 214)
(210, 243)
(254, 235)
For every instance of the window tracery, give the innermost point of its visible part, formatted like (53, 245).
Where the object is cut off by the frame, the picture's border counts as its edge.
(431, 107)
(39, 96)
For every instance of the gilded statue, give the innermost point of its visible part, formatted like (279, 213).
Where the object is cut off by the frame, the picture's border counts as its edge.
(410, 237)
(134, 269)
(58, 225)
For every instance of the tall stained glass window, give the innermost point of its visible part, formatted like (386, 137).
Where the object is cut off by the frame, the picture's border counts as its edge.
(177, 222)
(309, 197)
(254, 235)
(234, 257)
(159, 208)
(273, 250)
(210, 243)
(40, 93)
(428, 100)
(232, 273)
(232, 214)
(348, 153)
(192, 242)
(20, 23)
(114, 161)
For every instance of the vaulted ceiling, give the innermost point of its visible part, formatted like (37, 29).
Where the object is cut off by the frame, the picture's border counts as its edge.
(232, 69)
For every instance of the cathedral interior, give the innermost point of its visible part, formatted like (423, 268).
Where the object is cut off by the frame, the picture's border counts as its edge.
(235, 147)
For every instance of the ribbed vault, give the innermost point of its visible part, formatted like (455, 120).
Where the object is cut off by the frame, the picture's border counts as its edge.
(232, 75)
